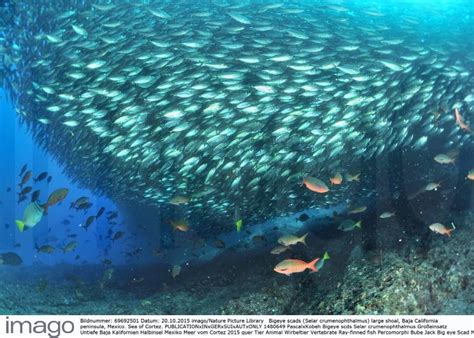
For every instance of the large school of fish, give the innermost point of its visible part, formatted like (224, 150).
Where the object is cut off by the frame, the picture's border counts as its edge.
(227, 106)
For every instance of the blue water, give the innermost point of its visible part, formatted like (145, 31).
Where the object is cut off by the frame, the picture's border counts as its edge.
(17, 148)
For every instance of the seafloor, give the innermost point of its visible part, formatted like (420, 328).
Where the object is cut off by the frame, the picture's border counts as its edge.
(405, 277)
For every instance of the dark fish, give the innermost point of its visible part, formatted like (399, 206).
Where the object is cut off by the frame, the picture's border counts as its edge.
(66, 222)
(36, 194)
(41, 177)
(79, 201)
(72, 235)
(303, 218)
(45, 248)
(9, 189)
(89, 221)
(118, 235)
(84, 206)
(111, 215)
(10, 258)
(25, 191)
(219, 243)
(77, 257)
(25, 178)
(17, 245)
(49, 179)
(7, 226)
(100, 212)
(258, 239)
(107, 262)
(23, 169)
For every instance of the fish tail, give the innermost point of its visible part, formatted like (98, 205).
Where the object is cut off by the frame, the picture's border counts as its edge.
(448, 232)
(326, 256)
(358, 225)
(20, 225)
(312, 265)
(45, 208)
(303, 238)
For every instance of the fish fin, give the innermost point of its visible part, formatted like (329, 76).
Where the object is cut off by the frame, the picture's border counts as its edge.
(45, 208)
(303, 238)
(326, 256)
(20, 225)
(312, 265)
(448, 232)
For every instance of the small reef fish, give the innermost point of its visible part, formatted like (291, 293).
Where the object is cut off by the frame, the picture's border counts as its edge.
(40, 177)
(35, 196)
(175, 271)
(444, 159)
(353, 178)
(219, 243)
(315, 184)
(118, 235)
(336, 179)
(181, 225)
(71, 246)
(31, 216)
(100, 212)
(23, 170)
(78, 202)
(470, 175)
(289, 240)
(26, 178)
(358, 210)
(279, 249)
(179, 199)
(303, 217)
(88, 222)
(290, 266)
(55, 197)
(348, 225)
(460, 121)
(387, 215)
(10, 258)
(432, 186)
(45, 248)
(441, 229)
(320, 263)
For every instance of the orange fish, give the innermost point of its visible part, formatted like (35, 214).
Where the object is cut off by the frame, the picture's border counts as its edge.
(336, 179)
(289, 266)
(55, 197)
(460, 121)
(441, 229)
(315, 185)
(181, 225)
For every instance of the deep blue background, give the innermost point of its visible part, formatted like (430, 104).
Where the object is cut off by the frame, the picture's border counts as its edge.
(17, 148)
